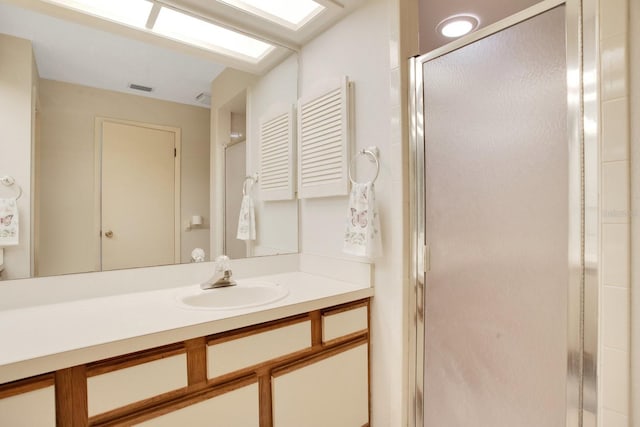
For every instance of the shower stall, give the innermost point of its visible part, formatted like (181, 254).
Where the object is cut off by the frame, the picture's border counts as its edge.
(500, 190)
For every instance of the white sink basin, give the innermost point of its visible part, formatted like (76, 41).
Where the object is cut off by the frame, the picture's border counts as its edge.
(247, 293)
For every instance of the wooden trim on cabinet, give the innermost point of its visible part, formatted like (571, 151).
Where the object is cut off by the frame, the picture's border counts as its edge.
(345, 307)
(134, 407)
(133, 359)
(150, 412)
(196, 361)
(71, 397)
(347, 337)
(280, 360)
(255, 329)
(26, 385)
(313, 358)
(287, 359)
(265, 398)
(368, 301)
(316, 328)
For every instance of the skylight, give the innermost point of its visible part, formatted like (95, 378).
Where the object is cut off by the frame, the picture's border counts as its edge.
(185, 28)
(289, 13)
(129, 12)
(173, 24)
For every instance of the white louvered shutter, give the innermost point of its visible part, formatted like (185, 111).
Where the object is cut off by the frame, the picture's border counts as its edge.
(323, 143)
(277, 153)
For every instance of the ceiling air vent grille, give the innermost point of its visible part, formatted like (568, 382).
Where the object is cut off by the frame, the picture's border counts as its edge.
(277, 157)
(140, 87)
(323, 142)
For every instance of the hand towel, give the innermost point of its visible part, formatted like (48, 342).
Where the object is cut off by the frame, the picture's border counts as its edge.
(9, 225)
(362, 232)
(247, 220)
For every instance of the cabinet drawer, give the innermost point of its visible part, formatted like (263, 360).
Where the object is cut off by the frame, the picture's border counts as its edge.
(225, 356)
(237, 408)
(339, 323)
(33, 408)
(124, 386)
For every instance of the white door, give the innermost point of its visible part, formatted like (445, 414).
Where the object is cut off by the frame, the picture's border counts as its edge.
(138, 207)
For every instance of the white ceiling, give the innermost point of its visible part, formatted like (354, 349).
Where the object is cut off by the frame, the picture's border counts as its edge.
(94, 53)
(432, 12)
(74, 53)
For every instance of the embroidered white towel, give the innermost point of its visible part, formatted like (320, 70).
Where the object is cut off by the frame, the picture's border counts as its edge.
(9, 225)
(362, 232)
(247, 220)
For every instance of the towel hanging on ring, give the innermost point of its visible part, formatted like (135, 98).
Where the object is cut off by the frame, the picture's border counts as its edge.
(362, 231)
(247, 219)
(9, 224)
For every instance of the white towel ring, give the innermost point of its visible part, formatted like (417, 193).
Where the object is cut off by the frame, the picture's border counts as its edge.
(8, 181)
(249, 178)
(371, 152)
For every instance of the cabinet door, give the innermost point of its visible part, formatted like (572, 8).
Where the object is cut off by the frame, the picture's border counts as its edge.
(33, 408)
(237, 408)
(333, 391)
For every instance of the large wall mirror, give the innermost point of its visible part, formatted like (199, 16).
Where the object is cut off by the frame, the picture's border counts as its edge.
(140, 152)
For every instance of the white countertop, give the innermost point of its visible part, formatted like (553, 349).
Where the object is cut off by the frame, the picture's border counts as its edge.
(40, 339)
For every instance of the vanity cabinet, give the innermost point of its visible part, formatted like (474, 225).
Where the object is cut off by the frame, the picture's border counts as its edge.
(306, 370)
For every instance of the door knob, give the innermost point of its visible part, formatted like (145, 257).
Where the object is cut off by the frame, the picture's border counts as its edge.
(109, 234)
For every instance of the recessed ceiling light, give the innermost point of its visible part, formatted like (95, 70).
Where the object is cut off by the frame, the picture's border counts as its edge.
(290, 13)
(457, 25)
(130, 12)
(188, 29)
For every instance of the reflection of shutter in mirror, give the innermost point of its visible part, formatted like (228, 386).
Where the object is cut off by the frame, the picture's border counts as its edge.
(277, 157)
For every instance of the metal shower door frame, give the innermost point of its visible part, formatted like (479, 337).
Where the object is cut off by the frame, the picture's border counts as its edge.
(583, 236)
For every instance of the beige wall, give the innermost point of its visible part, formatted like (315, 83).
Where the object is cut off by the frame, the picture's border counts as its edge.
(66, 241)
(18, 79)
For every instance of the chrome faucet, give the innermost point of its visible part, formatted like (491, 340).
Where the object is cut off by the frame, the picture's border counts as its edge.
(223, 265)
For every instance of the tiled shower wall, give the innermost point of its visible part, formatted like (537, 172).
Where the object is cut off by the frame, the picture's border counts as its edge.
(614, 348)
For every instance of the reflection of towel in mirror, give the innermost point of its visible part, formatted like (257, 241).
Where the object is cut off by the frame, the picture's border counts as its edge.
(9, 225)
(362, 232)
(247, 220)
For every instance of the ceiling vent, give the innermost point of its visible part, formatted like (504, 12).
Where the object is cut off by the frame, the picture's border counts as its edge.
(203, 98)
(140, 87)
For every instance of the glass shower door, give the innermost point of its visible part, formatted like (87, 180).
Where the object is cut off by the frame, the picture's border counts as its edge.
(496, 200)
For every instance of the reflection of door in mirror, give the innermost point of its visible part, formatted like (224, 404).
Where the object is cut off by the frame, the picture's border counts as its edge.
(139, 194)
(235, 160)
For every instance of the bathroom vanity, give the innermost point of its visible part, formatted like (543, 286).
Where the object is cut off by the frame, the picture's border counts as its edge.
(142, 359)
